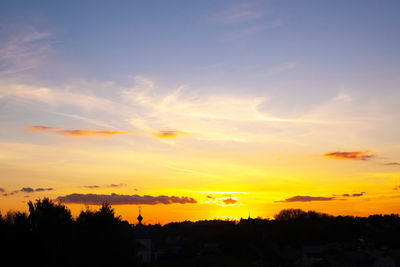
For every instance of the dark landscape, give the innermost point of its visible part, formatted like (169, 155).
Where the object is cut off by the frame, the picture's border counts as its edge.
(49, 236)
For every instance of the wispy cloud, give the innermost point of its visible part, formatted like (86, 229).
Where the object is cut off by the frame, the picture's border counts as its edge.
(73, 133)
(23, 49)
(250, 30)
(42, 128)
(56, 96)
(84, 132)
(212, 116)
(393, 163)
(104, 186)
(203, 116)
(238, 13)
(115, 199)
(353, 155)
(281, 68)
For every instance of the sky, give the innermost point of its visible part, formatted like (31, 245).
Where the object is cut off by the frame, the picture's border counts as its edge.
(201, 109)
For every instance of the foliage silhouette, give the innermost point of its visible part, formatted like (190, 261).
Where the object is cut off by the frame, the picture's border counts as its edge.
(49, 236)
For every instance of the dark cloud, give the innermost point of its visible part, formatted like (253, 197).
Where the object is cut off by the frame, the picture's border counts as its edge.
(306, 199)
(354, 195)
(116, 185)
(393, 163)
(358, 194)
(92, 186)
(210, 197)
(43, 189)
(229, 201)
(169, 134)
(396, 187)
(353, 155)
(72, 133)
(2, 190)
(27, 190)
(115, 199)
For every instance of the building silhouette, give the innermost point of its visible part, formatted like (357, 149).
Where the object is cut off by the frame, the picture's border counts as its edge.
(143, 241)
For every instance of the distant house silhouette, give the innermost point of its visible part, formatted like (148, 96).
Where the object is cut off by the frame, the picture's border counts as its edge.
(142, 238)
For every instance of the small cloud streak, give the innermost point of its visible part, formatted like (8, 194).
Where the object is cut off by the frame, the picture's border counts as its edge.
(229, 201)
(396, 187)
(241, 33)
(393, 163)
(353, 155)
(238, 13)
(354, 195)
(169, 134)
(27, 190)
(306, 199)
(310, 198)
(115, 199)
(85, 132)
(41, 128)
(24, 190)
(72, 133)
(104, 186)
(43, 189)
(91, 186)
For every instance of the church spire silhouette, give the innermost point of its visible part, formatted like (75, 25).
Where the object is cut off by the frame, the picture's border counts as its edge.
(140, 218)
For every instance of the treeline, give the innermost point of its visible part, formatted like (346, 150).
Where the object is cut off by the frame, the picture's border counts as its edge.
(49, 236)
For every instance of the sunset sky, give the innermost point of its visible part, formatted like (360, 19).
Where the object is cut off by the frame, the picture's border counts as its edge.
(201, 109)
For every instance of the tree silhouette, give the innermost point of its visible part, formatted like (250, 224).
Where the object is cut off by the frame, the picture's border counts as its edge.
(45, 215)
(103, 233)
(289, 214)
(49, 236)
